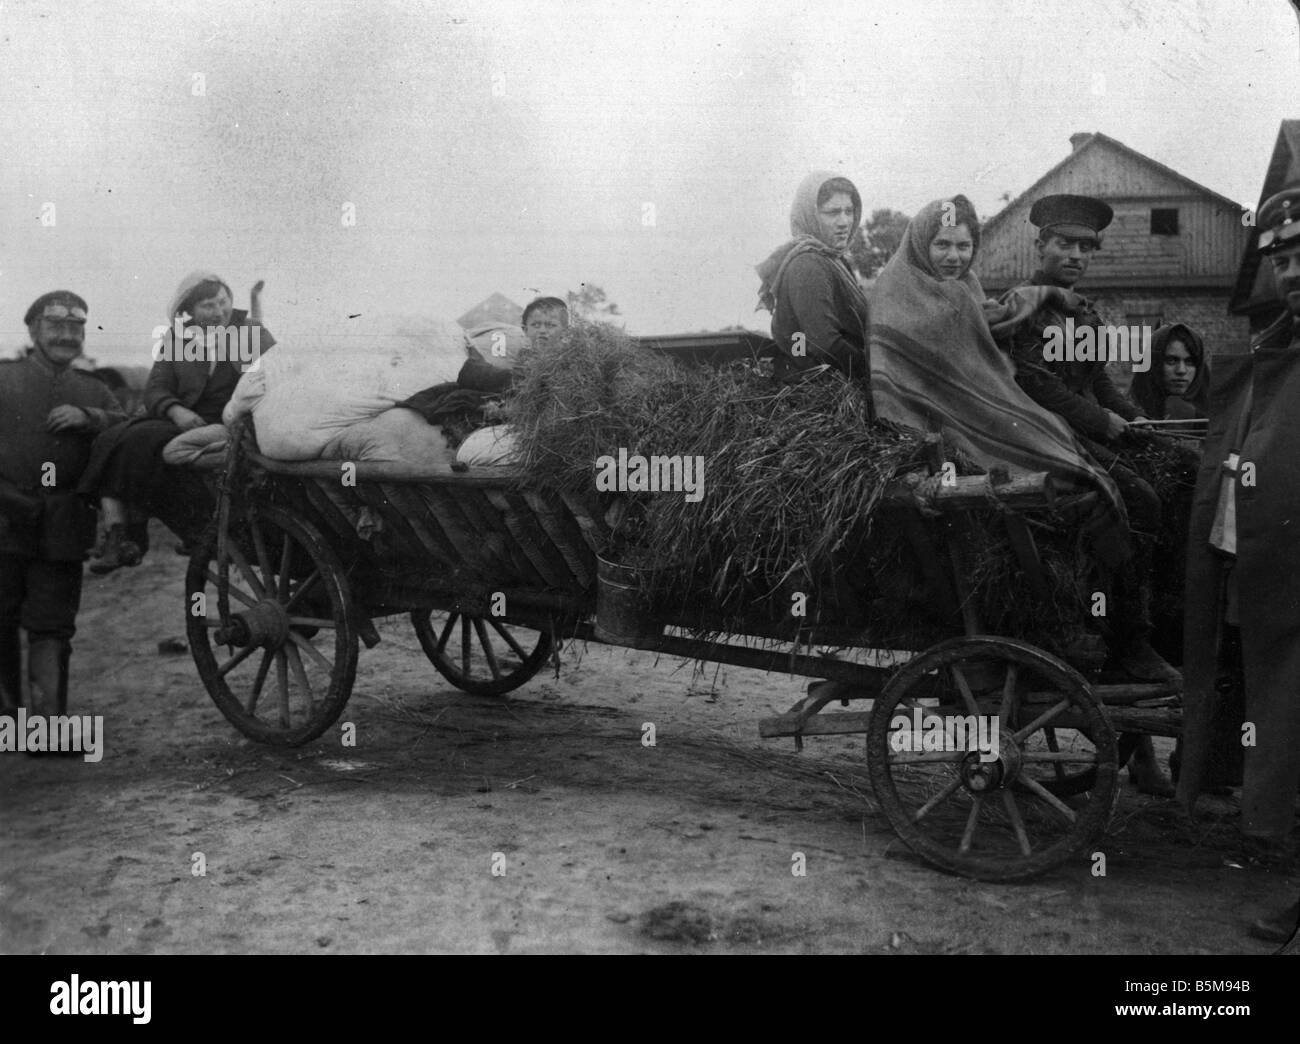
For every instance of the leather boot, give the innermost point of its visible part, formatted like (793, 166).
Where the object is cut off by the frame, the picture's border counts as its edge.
(118, 550)
(47, 674)
(11, 670)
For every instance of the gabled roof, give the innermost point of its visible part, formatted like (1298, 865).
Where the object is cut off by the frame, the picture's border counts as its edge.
(1282, 167)
(494, 308)
(1096, 140)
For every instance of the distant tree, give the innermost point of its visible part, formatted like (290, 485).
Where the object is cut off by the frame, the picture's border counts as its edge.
(590, 303)
(874, 243)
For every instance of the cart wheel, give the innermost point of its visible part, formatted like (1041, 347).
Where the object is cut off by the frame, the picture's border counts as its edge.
(489, 659)
(289, 616)
(1070, 780)
(996, 820)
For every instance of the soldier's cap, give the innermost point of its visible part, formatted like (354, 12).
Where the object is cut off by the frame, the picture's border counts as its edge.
(57, 304)
(1279, 220)
(1075, 217)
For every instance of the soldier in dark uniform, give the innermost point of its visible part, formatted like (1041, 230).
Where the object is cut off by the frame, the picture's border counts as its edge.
(1069, 232)
(1083, 394)
(49, 414)
(1243, 558)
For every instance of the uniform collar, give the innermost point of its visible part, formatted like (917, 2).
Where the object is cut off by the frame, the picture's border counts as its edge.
(43, 362)
(1039, 279)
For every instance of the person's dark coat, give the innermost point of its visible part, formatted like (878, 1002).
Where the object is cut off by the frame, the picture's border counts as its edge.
(819, 313)
(193, 383)
(1080, 391)
(1267, 567)
(44, 467)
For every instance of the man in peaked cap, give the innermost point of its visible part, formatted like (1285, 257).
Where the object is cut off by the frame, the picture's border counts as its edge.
(1069, 230)
(49, 415)
(1083, 394)
(1243, 559)
(1081, 391)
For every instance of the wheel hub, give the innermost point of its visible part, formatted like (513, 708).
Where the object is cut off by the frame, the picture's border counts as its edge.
(980, 777)
(265, 624)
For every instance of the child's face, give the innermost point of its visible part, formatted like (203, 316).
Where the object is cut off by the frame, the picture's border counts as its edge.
(214, 310)
(544, 325)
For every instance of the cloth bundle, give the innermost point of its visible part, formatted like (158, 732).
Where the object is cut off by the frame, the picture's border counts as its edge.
(324, 396)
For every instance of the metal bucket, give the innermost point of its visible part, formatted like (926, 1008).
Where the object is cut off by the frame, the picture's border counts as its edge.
(624, 615)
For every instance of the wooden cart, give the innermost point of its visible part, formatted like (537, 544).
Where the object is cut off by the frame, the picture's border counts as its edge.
(302, 558)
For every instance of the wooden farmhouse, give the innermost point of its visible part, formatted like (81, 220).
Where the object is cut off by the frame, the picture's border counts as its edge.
(1171, 254)
(1255, 296)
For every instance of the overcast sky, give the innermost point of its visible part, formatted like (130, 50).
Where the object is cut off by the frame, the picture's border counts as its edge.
(524, 146)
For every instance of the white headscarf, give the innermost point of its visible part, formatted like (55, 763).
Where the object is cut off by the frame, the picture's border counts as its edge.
(188, 284)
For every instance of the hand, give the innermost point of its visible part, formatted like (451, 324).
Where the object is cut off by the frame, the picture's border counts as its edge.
(1115, 425)
(67, 418)
(185, 419)
(255, 301)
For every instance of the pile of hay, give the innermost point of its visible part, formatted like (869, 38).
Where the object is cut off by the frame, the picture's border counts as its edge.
(583, 396)
(793, 474)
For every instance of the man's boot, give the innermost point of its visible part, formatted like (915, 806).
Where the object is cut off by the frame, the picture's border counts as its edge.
(118, 550)
(11, 671)
(47, 674)
(1130, 624)
(1145, 771)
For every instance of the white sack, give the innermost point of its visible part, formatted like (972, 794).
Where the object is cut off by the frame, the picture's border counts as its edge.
(302, 394)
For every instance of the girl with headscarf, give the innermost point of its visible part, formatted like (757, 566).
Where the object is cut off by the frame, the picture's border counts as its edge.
(935, 364)
(819, 313)
(1177, 384)
(188, 387)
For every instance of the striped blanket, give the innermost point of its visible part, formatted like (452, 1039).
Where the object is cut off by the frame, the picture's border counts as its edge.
(935, 366)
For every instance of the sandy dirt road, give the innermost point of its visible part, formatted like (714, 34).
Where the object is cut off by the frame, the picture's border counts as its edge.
(607, 846)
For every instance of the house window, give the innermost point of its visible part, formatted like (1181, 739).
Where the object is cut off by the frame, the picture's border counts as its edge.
(1151, 319)
(1164, 221)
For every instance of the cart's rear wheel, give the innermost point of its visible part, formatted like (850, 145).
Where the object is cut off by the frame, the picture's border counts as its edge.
(479, 654)
(1070, 780)
(280, 667)
(996, 819)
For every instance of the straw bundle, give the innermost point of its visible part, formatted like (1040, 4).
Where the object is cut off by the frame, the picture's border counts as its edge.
(793, 474)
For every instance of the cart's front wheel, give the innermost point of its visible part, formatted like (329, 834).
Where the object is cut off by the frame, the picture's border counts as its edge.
(967, 744)
(479, 654)
(280, 665)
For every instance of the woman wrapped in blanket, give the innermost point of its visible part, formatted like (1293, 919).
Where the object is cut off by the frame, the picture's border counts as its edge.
(185, 394)
(936, 366)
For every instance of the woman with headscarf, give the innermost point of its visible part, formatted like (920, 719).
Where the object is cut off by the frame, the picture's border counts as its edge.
(936, 366)
(1177, 384)
(191, 381)
(819, 313)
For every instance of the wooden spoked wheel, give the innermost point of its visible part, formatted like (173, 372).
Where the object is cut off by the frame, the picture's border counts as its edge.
(280, 661)
(479, 654)
(987, 809)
